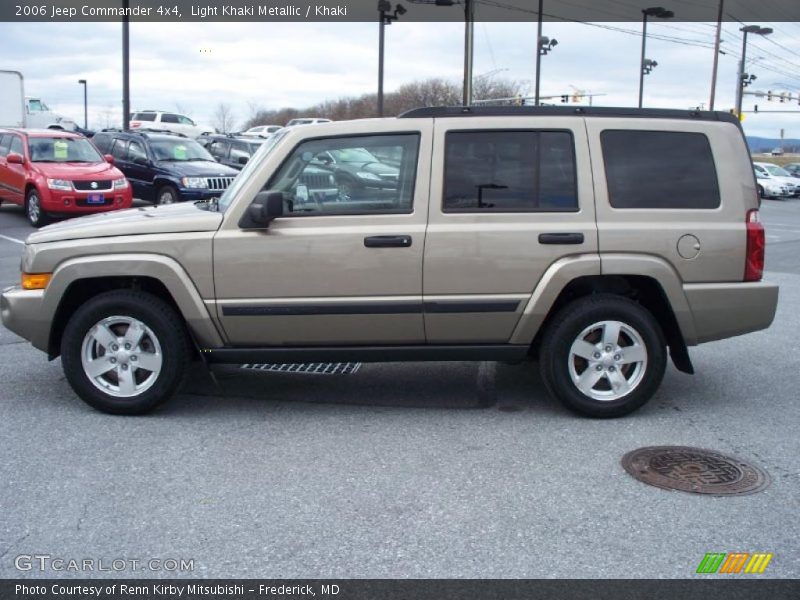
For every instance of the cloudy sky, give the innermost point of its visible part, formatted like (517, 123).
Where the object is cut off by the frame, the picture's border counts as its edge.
(193, 67)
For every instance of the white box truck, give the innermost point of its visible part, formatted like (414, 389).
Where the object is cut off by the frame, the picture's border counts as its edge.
(18, 110)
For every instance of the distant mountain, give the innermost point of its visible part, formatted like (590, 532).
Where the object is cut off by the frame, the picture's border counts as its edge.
(760, 144)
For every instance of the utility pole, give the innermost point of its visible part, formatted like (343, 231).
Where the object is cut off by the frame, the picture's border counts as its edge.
(742, 76)
(661, 13)
(717, 42)
(469, 30)
(381, 35)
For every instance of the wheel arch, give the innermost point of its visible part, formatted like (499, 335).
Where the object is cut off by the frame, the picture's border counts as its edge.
(78, 280)
(650, 283)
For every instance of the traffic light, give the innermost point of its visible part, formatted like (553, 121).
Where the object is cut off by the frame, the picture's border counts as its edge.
(565, 98)
(769, 95)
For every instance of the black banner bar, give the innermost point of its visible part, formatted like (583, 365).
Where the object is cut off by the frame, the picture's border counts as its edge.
(597, 11)
(729, 588)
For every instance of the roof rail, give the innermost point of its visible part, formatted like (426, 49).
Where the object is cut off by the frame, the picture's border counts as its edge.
(563, 111)
(154, 130)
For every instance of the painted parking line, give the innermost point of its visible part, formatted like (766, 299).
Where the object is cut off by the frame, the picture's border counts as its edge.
(10, 239)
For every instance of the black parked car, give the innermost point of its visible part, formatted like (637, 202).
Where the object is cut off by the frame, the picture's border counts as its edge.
(358, 168)
(165, 167)
(229, 149)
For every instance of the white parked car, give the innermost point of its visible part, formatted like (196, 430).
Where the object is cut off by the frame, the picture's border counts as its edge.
(168, 121)
(262, 130)
(770, 188)
(778, 175)
(306, 121)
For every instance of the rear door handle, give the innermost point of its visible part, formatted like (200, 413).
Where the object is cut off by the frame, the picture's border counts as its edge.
(388, 241)
(561, 238)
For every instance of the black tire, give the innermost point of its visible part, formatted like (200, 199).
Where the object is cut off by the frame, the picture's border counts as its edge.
(33, 209)
(168, 329)
(761, 192)
(167, 194)
(567, 326)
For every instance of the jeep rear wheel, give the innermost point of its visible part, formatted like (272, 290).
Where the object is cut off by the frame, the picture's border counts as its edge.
(125, 352)
(603, 356)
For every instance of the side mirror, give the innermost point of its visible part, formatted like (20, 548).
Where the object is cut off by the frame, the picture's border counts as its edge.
(109, 159)
(266, 207)
(243, 160)
(140, 160)
(15, 159)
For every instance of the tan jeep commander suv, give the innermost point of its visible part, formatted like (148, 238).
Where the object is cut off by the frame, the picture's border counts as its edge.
(596, 240)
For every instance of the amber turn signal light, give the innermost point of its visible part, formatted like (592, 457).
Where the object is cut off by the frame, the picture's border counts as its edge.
(35, 281)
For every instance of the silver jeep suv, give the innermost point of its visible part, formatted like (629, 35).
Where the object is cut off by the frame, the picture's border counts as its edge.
(594, 240)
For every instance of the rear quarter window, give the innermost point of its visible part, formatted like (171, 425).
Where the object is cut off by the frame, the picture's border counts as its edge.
(659, 170)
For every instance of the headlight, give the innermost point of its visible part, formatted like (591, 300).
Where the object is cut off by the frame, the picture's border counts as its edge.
(370, 176)
(194, 182)
(59, 184)
(120, 184)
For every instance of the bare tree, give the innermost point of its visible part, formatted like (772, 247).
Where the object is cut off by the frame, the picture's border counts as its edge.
(223, 117)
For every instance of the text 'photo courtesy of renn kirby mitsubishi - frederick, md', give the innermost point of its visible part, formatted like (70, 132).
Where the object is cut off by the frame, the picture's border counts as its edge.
(413, 299)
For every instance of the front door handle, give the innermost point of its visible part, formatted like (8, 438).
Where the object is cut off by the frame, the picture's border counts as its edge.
(561, 238)
(388, 241)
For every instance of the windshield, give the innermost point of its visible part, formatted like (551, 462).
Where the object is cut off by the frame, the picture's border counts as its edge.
(354, 155)
(252, 166)
(58, 149)
(179, 149)
(777, 171)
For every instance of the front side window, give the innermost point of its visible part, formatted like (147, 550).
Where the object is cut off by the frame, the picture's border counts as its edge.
(36, 106)
(218, 149)
(240, 150)
(185, 120)
(136, 152)
(313, 183)
(5, 142)
(509, 171)
(659, 170)
(59, 149)
(101, 141)
(119, 149)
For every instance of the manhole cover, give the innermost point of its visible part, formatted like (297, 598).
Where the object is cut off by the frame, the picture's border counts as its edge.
(694, 470)
(306, 368)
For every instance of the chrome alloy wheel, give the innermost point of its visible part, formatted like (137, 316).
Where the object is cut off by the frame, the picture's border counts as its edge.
(121, 356)
(34, 208)
(607, 360)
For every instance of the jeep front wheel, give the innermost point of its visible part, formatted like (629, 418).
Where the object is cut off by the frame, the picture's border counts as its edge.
(603, 356)
(125, 352)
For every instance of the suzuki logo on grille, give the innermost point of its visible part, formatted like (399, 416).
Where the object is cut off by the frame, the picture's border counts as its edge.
(94, 185)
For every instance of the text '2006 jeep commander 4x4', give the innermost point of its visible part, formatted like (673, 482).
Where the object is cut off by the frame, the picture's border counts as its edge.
(597, 240)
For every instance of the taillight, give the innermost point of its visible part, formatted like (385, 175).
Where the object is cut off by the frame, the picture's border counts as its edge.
(754, 261)
(135, 124)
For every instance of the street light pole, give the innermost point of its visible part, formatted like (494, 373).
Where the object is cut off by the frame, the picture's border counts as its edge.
(126, 75)
(538, 52)
(742, 76)
(85, 104)
(661, 13)
(384, 18)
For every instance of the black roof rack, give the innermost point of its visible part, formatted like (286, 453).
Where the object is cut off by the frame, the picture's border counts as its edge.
(563, 111)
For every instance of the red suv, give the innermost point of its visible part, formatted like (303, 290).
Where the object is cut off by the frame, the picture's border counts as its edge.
(58, 173)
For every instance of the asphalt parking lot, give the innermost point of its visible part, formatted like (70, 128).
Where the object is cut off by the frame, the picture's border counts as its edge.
(395, 470)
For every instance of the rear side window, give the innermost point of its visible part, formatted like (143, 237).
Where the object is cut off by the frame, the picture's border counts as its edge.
(510, 171)
(660, 169)
(168, 118)
(143, 117)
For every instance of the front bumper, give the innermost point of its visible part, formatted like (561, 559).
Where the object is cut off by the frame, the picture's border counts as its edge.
(194, 194)
(723, 310)
(21, 312)
(75, 201)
